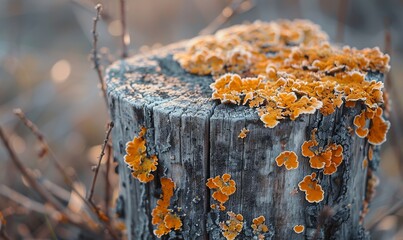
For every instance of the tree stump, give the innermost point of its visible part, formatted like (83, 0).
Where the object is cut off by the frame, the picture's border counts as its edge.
(196, 138)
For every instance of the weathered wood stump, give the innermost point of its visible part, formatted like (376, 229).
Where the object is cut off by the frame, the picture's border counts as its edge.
(196, 138)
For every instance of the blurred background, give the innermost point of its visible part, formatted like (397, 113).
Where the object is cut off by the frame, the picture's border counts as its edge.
(46, 71)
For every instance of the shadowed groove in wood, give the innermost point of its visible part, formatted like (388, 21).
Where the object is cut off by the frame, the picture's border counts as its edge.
(195, 139)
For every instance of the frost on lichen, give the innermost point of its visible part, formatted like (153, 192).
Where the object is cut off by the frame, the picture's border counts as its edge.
(137, 160)
(285, 69)
(165, 219)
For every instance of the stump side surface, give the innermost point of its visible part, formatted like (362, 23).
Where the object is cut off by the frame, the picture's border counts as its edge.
(196, 138)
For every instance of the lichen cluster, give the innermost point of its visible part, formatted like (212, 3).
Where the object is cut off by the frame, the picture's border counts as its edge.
(233, 226)
(259, 227)
(142, 167)
(162, 216)
(284, 69)
(223, 187)
(137, 160)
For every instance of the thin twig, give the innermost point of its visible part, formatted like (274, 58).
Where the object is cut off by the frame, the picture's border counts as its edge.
(104, 145)
(342, 13)
(124, 36)
(89, 6)
(36, 186)
(234, 7)
(27, 175)
(46, 150)
(395, 117)
(25, 201)
(95, 58)
(107, 181)
(395, 208)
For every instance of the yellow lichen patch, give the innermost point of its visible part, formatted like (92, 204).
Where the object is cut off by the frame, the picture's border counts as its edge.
(328, 158)
(224, 186)
(289, 159)
(137, 160)
(165, 219)
(319, 159)
(243, 133)
(233, 226)
(285, 69)
(259, 227)
(313, 191)
(360, 123)
(335, 160)
(378, 128)
(299, 229)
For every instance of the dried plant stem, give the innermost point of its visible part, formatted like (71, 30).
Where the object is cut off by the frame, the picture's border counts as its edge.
(104, 145)
(107, 181)
(124, 36)
(94, 51)
(397, 107)
(27, 175)
(46, 150)
(342, 13)
(36, 186)
(25, 201)
(234, 7)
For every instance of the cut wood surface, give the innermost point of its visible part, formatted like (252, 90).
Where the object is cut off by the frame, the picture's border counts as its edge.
(196, 138)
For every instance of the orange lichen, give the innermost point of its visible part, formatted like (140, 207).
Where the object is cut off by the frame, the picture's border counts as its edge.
(335, 160)
(137, 160)
(259, 227)
(378, 128)
(232, 227)
(284, 69)
(313, 191)
(328, 158)
(224, 187)
(289, 159)
(165, 219)
(360, 123)
(243, 133)
(299, 228)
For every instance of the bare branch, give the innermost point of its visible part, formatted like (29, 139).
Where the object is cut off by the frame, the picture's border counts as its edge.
(95, 58)
(342, 13)
(46, 150)
(27, 175)
(36, 186)
(124, 37)
(107, 181)
(104, 145)
(234, 7)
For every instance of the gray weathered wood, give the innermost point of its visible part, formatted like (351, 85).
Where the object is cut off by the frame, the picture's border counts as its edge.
(196, 138)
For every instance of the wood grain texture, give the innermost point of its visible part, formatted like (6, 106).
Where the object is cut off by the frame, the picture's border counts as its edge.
(196, 138)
